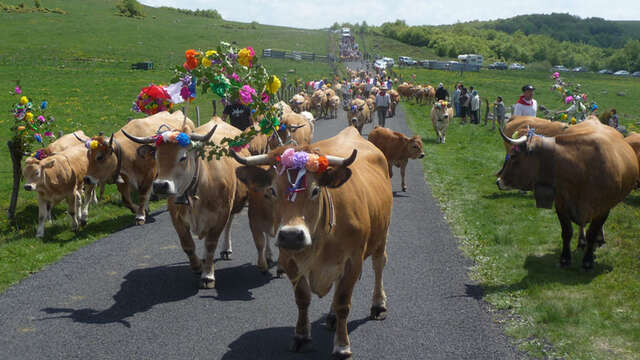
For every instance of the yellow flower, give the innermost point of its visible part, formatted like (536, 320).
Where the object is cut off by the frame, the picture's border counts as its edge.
(564, 116)
(206, 62)
(573, 121)
(245, 56)
(210, 52)
(21, 128)
(93, 144)
(273, 85)
(29, 117)
(24, 100)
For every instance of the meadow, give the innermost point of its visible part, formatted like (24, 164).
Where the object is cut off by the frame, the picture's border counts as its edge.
(551, 312)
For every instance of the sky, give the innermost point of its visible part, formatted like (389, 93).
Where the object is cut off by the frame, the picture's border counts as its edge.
(315, 14)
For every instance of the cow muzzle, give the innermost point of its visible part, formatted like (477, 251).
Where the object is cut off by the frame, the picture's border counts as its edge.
(293, 238)
(89, 180)
(501, 185)
(164, 187)
(421, 156)
(30, 187)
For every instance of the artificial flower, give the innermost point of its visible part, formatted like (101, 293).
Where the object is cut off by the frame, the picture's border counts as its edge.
(183, 139)
(273, 85)
(42, 119)
(245, 56)
(206, 62)
(265, 98)
(210, 53)
(246, 94)
(29, 117)
(24, 100)
(38, 137)
(43, 105)
(564, 116)
(48, 133)
(573, 121)
(18, 90)
(21, 128)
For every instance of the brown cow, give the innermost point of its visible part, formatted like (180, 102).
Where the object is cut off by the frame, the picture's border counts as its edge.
(296, 129)
(397, 148)
(300, 102)
(204, 195)
(441, 114)
(59, 177)
(634, 141)
(319, 104)
(587, 170)
(129, 165)
(325, 233)
(395, 99)
(406, 91)
(333, 105)
(358, 114)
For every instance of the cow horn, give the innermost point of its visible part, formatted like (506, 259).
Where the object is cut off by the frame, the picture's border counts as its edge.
(111, 141)
(518, 141)
(204, 138)
(338, 161)
(254, 160)
(79, 138)
(139, 140)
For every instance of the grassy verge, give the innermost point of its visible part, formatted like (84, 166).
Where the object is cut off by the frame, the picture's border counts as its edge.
(516, 247)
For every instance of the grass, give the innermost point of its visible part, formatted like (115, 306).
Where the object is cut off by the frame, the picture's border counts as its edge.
(516, 247)
(80, 63)
(387, 47)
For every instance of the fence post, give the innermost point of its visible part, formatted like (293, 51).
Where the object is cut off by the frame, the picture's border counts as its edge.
(16, 160)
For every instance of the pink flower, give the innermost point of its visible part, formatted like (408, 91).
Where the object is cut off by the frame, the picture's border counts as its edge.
(42, 119)
(185, 93)
(18, 90)
(48, 133)
(246, 94)
(251, 52)
(235, 77)
(265, 98)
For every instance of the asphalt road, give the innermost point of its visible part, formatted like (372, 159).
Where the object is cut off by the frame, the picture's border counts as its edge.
(132, 296)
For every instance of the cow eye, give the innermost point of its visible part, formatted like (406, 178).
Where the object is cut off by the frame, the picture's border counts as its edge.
(270, 193)
(183, 157)
(315, 192)
(100, 157)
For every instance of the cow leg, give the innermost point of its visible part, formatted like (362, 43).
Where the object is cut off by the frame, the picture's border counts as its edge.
(379, 303)
(342, 306)
(260, 241)
(125, 193)
(49, 207)
(186, 240)
(302, 335)
(208, 278)
(89, 196)
(594, 234)
(144, 192)
(43, 214)
(225, 254)
(390, 169)
(581, 238)
(567, 233)
(72, 209)
(403, 168)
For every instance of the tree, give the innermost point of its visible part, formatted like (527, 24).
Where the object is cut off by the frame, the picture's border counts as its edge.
(130, 8)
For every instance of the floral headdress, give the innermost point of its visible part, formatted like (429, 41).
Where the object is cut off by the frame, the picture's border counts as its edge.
(301, 161)
(31, 125)
(173, 137)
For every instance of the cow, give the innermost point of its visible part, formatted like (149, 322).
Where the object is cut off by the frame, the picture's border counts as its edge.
(203, 194)
(397, 148)
(333, 105)
(441, 114)
(634, 141)
(294, 128)
(56, 177)
(586, 171)
(329, 93)
(358, 114)
(312, 122)
(395, 99)
(328, 225)
(127, 164)
(371, 103)
(300, 103)
(319, 103)
(283, 106)
(405, 91)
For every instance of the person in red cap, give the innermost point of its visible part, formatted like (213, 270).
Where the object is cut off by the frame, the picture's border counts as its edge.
(526, 105)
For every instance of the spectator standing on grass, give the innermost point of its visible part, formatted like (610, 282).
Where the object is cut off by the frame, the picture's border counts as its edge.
(613, 120)
(499, 112)
(475, 107)
(465, 102)
(526, 105)
(456, 99)
(383, 100)
(239, 115)
(441, 93)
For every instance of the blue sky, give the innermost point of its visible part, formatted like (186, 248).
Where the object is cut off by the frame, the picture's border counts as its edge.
(322, 13)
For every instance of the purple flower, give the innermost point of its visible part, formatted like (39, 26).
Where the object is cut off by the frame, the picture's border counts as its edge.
(185, 93)
(48, 133)
(52, 119)
(300, 159)
(18, 90)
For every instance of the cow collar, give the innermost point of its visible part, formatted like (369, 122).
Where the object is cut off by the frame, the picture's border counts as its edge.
(332, 212)
(192, 189)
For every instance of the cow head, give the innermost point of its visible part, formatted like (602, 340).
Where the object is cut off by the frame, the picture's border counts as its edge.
(527, 166)
(34, 172)
(177, 164)
(103, 160)
(442, 111)
(283, 134)
(295, 184)
(414, 147)
(355, 112)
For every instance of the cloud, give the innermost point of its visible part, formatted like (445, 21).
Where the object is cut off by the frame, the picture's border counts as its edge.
(316, 14)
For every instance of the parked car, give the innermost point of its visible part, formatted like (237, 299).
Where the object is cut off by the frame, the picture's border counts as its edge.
(621, 73)
(516, 66)
(559, 68)
(498, 66)
(579, 69)
(388, 60)
(406, 60)
(380, 64)
(636, 74)
(605, 71)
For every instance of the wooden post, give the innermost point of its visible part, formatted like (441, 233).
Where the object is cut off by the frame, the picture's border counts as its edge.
(16, 159)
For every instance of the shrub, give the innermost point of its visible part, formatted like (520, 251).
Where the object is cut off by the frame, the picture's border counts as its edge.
(130, 8)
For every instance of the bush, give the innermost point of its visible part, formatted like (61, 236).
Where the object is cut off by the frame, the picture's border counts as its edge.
(130, 8)
(37, 4)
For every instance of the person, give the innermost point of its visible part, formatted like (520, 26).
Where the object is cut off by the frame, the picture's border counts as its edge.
(456, 99)
(475, 107)
(613, 120)
(499, 112)
(526, 105)
(441, 93)
(383, 100)
(239, 115)
(465, 101)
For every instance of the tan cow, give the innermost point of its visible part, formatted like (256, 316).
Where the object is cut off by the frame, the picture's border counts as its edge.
(204, 195)
(283, 106)
(397, 148)
(129, 165)
(634, 141)
(358, 114)
(329, 93)
(300, 103)
(333, 105)
(59, 177)
(395, 99)
(371, 103)
(319, 104)
(406, 90)
(337, 220)
(586, 171)
(296, 130)
(441, 114)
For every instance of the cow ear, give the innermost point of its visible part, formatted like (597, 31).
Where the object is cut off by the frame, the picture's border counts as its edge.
(254, 177)
(146, 152)
(49, 164)
(335, 177)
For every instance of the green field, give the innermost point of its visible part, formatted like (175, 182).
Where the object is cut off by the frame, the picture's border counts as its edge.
(516, 247)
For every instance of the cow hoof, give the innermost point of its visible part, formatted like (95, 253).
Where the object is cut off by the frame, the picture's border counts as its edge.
(330, 322)
(378, 312)
(206, 283)
(587, 264)
(140, 221)
(404, 189)
(301, 344)
(581, 245)
(341, 356)
(225, 255)
(83, 222)
(279, 272)
(271, 263)
(40, 235)
(565, 262)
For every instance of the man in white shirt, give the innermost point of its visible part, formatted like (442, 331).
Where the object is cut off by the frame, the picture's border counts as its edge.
(382, 104)
(526, 105)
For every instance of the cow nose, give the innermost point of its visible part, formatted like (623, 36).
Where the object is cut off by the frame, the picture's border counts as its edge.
(291, 239)
(29, 187)
(421, 156)
(161, 187)
(498, 184)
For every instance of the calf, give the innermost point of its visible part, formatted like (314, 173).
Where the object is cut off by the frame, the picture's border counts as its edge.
(441, 114)
(397, 149)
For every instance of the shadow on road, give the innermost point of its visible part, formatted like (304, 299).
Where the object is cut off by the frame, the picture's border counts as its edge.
(141, 290)
(274, 343)
(235, 283)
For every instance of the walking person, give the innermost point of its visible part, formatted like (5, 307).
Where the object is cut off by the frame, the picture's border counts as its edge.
(456, 99)
(475, 107)
(441, 93)
(383, 100)
(526, 105)
(498, 112)
(465, 102)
